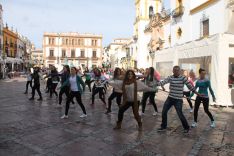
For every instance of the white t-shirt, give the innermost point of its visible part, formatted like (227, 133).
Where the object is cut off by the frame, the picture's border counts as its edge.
(73, 83)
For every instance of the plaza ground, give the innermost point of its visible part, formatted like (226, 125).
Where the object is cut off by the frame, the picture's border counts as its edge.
(35, 128)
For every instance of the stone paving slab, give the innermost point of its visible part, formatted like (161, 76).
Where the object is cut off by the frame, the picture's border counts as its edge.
(35, 128)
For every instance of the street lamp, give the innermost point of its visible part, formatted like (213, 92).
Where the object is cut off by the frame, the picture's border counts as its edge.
(58, 57)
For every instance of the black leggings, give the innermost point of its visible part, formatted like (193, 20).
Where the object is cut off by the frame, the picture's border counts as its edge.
(112, 96)
(135, 109)
(101, 94)
(151, 96)
(28, 83)
(36, 87)
(88, 82)
(53, 89)
(78, 99)
(187, 95)
(62, 91)
(205, 102)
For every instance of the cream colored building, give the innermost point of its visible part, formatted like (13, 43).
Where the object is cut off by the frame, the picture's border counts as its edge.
(80, 50)
(37, 57)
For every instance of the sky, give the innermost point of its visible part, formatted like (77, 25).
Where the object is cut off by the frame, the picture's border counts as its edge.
(31, 18)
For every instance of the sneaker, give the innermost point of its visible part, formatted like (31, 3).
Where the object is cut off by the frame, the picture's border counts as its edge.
(161, 129)
(40, 99)
(83, 116)
(31, 98)
(108, 111)
(141, 113)
(155, 113)
(186, 131)
(194, 124)
(212, 125)
(191, 110)
(64, 117)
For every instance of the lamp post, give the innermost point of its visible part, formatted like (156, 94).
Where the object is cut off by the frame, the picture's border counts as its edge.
(58, 57)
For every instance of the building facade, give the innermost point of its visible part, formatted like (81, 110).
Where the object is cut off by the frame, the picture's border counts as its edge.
(37, 57)
(1, 30)
(145, 9)
(193, 34)
(80, 50)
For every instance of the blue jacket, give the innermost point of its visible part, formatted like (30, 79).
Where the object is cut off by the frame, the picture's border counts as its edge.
(79, 83)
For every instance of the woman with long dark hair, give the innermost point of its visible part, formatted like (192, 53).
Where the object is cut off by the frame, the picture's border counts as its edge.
(75, 82)
(64, 77)
(87, 78)
(98, 87)
(116, 93)
(151, 82)
(203, 84)
(130, 86)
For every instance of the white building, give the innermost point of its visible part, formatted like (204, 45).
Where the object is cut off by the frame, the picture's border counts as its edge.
(80, 50)
(198, 34)
(144, 11)
(117, 51)
(37, 57)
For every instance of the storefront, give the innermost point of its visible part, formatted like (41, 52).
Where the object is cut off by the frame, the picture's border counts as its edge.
(215, 54)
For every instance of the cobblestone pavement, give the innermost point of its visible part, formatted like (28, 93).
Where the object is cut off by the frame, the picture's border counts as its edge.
(35, 128)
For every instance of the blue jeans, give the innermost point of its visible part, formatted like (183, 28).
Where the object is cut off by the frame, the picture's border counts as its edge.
(177, 103)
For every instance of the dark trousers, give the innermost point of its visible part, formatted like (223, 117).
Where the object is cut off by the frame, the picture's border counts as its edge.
(205, 102)
(135, 109)
(177, 103)
(78, 99)
(48, 84)
(187, 95)
(101, 94)
(88, 82)
(28, 83)
(36, 87)
(151, 96)
(53, 89)
(63, 90)
(112, 96)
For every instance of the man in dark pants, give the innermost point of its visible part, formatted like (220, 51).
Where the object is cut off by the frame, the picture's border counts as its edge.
(36, 86)
(175, 97)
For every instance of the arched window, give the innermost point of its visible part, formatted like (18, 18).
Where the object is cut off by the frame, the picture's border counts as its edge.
(151, 11)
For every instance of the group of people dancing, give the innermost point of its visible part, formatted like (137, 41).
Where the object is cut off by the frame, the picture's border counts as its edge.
(126, 84)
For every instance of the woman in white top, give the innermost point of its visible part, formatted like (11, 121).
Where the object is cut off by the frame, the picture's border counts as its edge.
(75, 83)
(29, 81)
(130, 86)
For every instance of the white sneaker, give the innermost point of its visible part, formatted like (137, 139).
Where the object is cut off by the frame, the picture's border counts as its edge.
(155, 113)
(64, 117)
(194, 124)
(141, 114)
(191, 110)
(83, 116)
(212, 125)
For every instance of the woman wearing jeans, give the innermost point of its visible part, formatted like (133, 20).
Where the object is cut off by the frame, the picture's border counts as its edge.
(203, 84)
(75, 83)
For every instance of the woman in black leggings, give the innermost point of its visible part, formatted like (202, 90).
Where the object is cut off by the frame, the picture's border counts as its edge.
(115, 93)
(75, 82)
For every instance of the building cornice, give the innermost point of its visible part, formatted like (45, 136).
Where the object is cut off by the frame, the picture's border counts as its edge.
(202, 6)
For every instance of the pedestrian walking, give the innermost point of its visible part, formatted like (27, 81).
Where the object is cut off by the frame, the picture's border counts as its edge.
(36, 84)
(29, 81)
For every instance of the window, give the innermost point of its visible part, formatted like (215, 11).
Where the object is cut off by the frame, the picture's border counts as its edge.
(51, 53)
(231, 73)
(82, 54)
(73, 53)
(72, 41)
(94, 54)
(151, 11)
(205, 28)
(78, 41)
(63, 53)
(66, 41)
(95, 42)
(92, 42)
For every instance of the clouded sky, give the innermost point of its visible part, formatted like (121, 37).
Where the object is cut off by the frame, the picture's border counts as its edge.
(31, 18)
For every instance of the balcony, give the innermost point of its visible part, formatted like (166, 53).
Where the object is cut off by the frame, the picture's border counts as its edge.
(178, 12)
